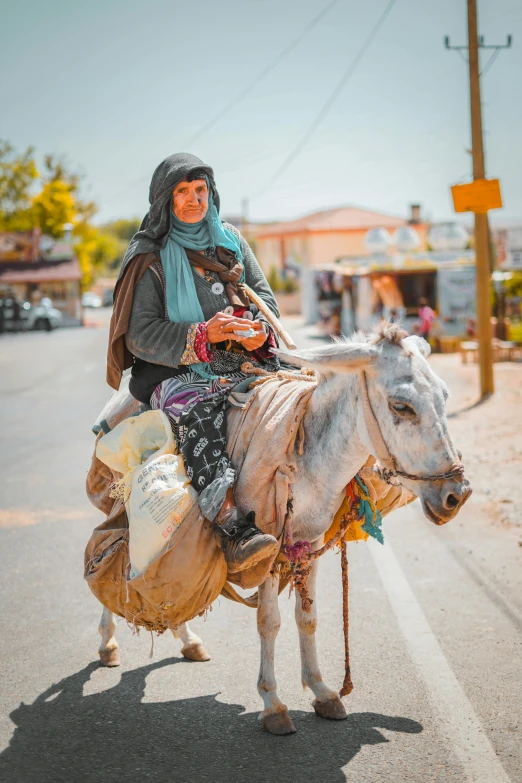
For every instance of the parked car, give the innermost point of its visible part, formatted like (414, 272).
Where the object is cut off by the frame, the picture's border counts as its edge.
(44, 316)
(90, 299)
(107, 295)
(19, 316)
(13, 314)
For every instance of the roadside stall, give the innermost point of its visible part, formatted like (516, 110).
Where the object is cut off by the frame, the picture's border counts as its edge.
(361, 291)
(507, 283)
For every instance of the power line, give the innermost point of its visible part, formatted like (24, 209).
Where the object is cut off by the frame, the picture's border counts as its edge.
(490, 62)
(260, 76)
(329, 103)
(239, 97)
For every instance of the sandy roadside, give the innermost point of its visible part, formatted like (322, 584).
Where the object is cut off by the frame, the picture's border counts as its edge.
(489, 434)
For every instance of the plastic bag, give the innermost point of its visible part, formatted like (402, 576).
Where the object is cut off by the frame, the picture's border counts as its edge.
(155, 486)
(160, 497)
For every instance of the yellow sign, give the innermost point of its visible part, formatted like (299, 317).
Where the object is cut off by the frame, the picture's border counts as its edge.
(477, 196)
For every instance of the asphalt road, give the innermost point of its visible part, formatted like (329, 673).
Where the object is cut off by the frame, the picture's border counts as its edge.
(436, 632)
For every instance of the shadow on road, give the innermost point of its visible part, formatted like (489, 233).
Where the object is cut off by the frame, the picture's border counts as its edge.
(65, 736)
(470, 407)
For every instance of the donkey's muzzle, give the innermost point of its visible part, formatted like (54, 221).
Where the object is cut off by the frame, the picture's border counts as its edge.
(440, 504)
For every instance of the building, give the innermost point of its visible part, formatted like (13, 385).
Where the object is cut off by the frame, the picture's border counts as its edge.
(33, 266)
(324, 237)
(508, 247)
(321, 238)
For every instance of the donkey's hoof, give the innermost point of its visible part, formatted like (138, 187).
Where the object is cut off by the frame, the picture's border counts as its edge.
(110, 657)
(195, 652)
(331, 709)
(278, 722)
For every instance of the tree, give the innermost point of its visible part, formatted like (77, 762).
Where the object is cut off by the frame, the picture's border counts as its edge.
(17, 174)
(274, 279)
(53, 207)
(513, 286)
(124, 229)
(122, 232)
(95, 250)
(56, 202)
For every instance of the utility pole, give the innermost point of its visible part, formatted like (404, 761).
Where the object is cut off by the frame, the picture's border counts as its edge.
(483, 264)
(482, 249)
(244, 214)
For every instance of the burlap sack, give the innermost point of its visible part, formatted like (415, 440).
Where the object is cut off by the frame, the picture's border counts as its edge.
(263, 427)
(97, 483)
(189, 575)
(182, 582)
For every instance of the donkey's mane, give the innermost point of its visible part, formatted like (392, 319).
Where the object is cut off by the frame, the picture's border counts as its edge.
(387, 331)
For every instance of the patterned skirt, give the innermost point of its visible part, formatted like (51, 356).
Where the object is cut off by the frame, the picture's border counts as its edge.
(196, 409)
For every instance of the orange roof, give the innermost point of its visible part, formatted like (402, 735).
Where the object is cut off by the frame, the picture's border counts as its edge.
(340, 219)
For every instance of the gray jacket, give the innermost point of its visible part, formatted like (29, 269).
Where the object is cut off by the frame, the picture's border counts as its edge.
(153, 338)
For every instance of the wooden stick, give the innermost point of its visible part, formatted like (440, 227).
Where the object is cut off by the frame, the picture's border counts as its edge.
(274, 322)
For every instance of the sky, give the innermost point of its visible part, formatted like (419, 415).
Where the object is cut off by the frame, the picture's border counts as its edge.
(115, 86)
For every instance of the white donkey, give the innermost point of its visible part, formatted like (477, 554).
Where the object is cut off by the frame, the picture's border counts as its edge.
(377, 395)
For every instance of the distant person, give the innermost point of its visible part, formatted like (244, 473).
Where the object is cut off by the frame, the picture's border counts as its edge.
(426, 318)
(471, 328)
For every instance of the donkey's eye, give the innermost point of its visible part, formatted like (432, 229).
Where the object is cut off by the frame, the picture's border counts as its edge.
(402, 409)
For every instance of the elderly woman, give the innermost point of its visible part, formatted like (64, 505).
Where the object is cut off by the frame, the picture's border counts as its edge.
(182, 320)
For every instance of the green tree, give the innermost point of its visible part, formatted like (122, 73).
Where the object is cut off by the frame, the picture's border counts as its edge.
(513, 286)
(274, 279)
(57, 201)
(96, 251)
(18, 172)
(124, 229)
(121, 231)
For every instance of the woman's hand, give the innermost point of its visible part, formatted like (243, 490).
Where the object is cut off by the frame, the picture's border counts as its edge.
(222, 327)
(253, 343)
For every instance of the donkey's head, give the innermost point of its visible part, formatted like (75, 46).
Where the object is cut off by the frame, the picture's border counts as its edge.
(405, 413)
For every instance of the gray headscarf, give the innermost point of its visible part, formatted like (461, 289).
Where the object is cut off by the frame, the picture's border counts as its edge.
(156, 225)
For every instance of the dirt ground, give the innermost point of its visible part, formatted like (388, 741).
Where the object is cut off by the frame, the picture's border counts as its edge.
(489, 434)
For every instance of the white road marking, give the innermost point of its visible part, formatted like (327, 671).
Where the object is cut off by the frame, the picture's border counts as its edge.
(458, 721)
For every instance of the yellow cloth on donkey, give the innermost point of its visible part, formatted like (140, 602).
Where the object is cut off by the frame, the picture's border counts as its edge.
(384, 497)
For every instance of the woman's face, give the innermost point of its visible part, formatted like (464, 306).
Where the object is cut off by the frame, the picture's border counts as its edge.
(190, 200)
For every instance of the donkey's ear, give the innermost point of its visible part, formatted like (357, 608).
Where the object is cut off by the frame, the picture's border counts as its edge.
(417, 344)
(339, 357)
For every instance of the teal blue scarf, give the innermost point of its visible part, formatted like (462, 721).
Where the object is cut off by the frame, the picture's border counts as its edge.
(182, 300)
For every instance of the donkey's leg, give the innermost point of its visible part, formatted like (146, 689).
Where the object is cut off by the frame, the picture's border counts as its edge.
(275, 717)
(192, 648)
(327, 703)
(108, 650)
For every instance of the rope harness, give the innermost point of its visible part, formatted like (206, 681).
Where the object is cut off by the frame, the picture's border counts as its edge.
(300, 568)
(387, 468)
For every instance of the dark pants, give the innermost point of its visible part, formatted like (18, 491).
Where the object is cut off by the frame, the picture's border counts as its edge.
(202, 435)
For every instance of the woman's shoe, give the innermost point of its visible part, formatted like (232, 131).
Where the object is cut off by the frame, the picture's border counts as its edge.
(244, 545)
